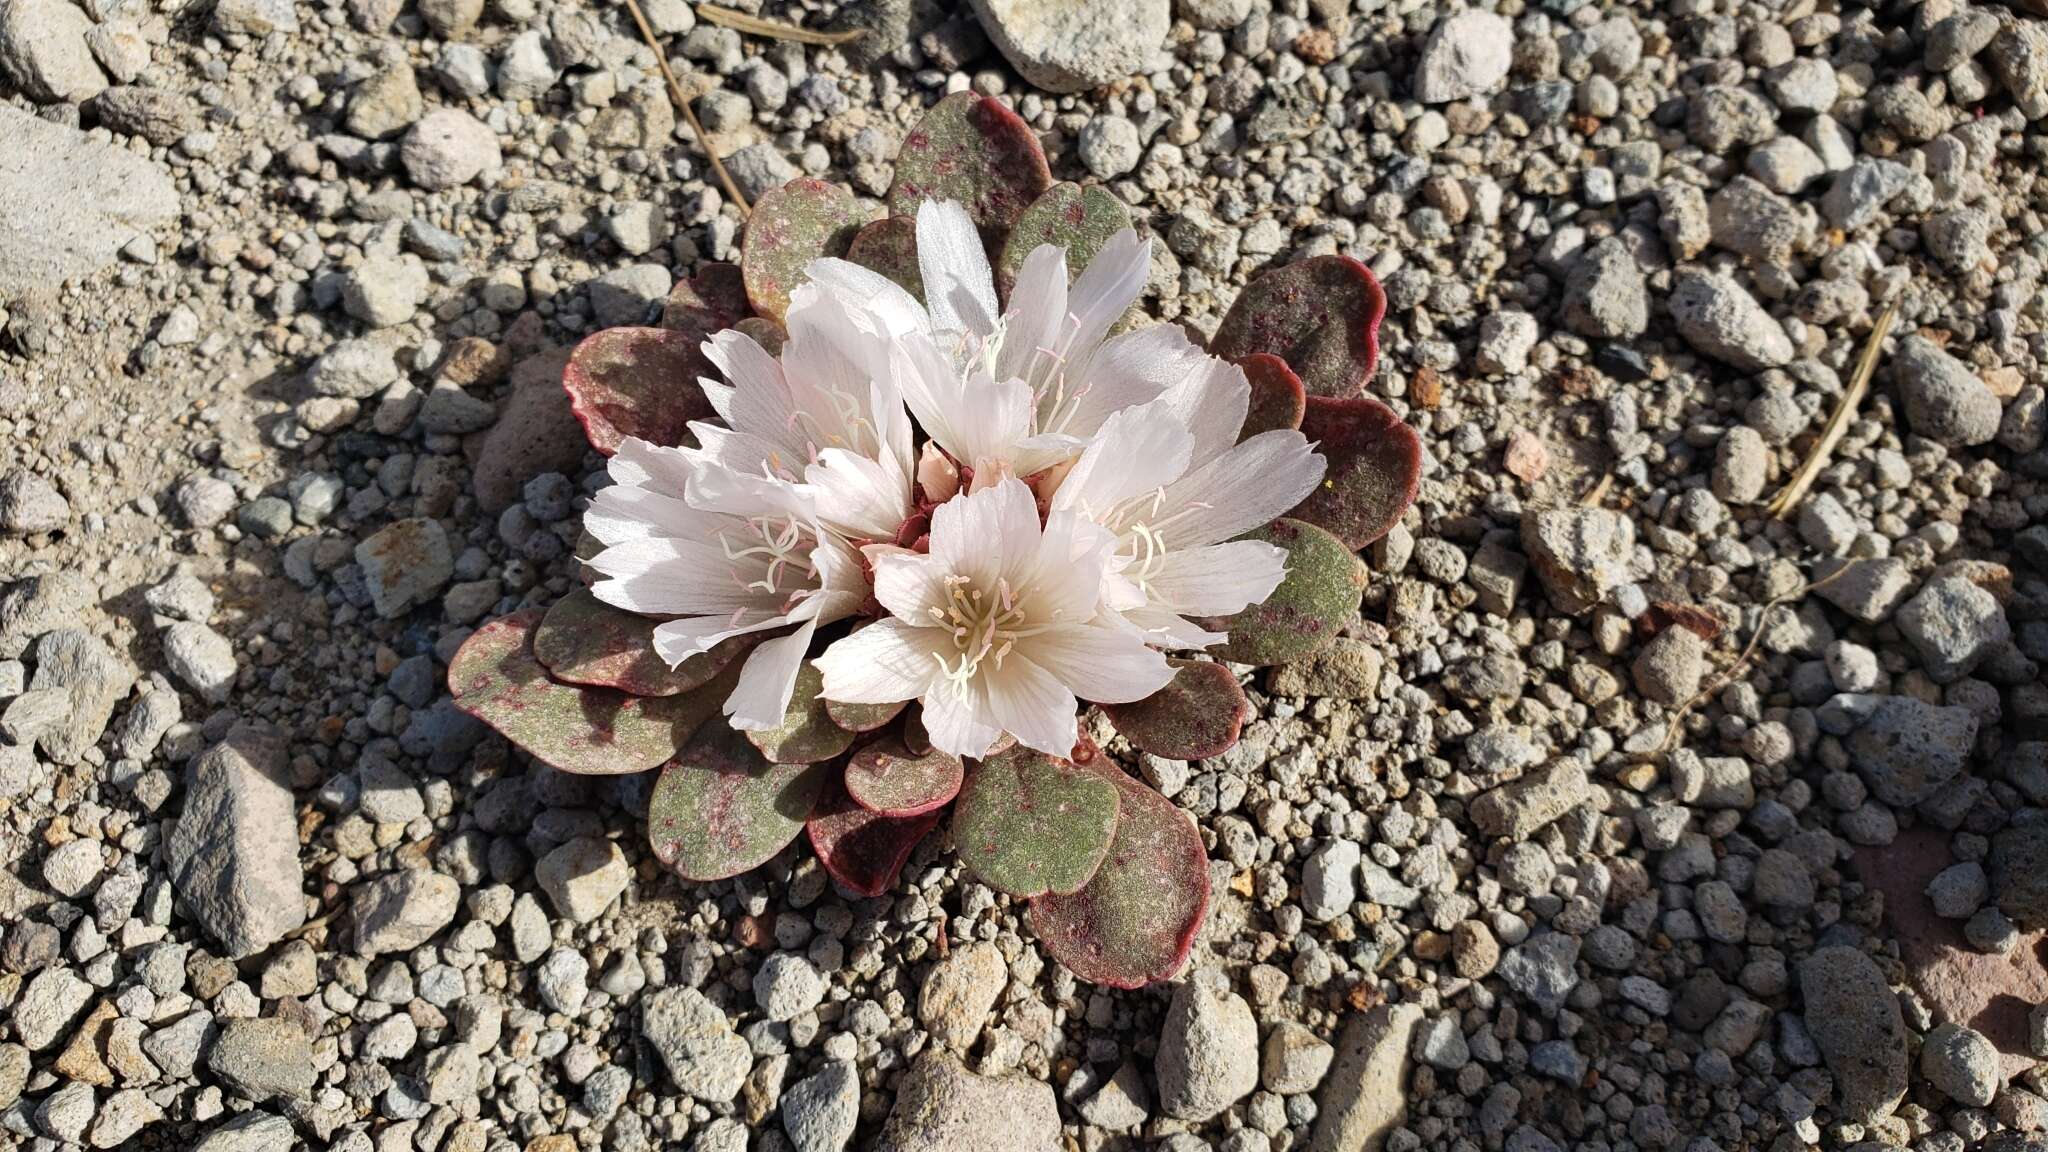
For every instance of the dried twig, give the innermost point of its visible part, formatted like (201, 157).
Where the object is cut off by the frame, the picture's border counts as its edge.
(1785, 502)
(776, 29)
(1598, 491)
(1742, 660)
(675, 92)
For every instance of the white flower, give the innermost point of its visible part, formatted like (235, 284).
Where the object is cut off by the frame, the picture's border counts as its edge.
(1013, 393)
(1171, 483)
(997, 629)
(728, 554)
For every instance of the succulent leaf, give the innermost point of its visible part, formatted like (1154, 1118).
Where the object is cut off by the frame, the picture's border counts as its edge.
(972, 149)
(496, 678)
(807, 733)
(1197, 715)
(1321, 315)
(864, 850)
(711, 301)
(791, 226)
(863, 717)
(884, 777)
(583, 640)
(1136, 921)
(1027, 823)
(1069, 216)
(1319, 596)
(720, 809)
(889, 246)
(765, 332)
(1277, 395)
(636, 382)
(1374, 472)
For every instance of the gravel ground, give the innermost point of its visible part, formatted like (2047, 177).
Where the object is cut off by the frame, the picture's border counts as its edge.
(1628, 815)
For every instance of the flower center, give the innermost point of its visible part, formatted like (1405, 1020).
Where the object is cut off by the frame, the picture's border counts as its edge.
(980, 626)
(776, 554)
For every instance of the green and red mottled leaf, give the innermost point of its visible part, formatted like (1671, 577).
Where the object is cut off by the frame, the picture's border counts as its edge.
(1026, 823)
(636, 382)
(720, 809)
(1319, 596)
(864, 850)
(802, 221)
(1197, 715)
(863, 717)
(711, 301)
(765, 332)
(1321, 315)
(884, 777)
(1375, 468)
(807, 733)
(1068, 216)
(583, 640)
(1278, 400)
(889, 246)
(972, 149)
(1136, 921)
(496, 678)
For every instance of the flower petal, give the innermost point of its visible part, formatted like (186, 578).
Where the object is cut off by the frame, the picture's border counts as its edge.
(857, 495)
(1031, 704)
(1108, 288)
(1139, 450)
(958, 720)
(909, 584)
(986, 534)
(1214, 502)
(1101, 664)
(1037, 316)
(677, 640)
(959, 290)
(1211, 400)
(1218, 579)
(898, 310)
(880, 664)
(768, 678)
(1061, 578)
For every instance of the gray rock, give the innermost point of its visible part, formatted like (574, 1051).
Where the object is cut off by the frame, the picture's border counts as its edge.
(1329, 880)
(820, 1111)
(1742, 465)
(525, 70)
(1869, 590)
(403, 910)
(1604, 295)
(1804, 84)
(87, 679)
(2019, 873)
(1066, 47)
(1523, 806)
(1109, 146)
(787, 986)
(1908, 749)
(14, 1070)
(1295, 1060)
(49, 1004)
(384, 290)
(158, 115)
(1467, 54)
(1670, 667)
(354, 369)
(30, 505)
(704, 1056)
(1953, 624)
(624, 296)
(43, 51)
(121, 1118)
(202, 658)
(960, 991)
(583, 877)
(86, 199)
(1580, 554)
(255, 17)
(64, 1114)
(1208, 1052)
(1364, 1098)
(263, 1059)
(757, 168)
(1543, 968)
(1121, 1103)
(942, 1107)
(405, 564)
(1944, 399)
(1720, 318)
(385, 103)
(1858, 194)
(448, 148)
(1854, 1018)
(1505, 340)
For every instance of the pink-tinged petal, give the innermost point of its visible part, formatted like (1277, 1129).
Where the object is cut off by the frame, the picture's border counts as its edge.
(1109, 286)
(1166, 629)
(882, 663)
(1139, 450)
(885, 298)
(911, 585)
(982, 534)
(1064, 581)
(858, 495)
(959, 289)
(1215, 502)
(957, 720)
(768, 677)
(1036, 317)
(1219, 579)
(1103, 665)
(1211, 401)
(1031, 704)
(676, 641)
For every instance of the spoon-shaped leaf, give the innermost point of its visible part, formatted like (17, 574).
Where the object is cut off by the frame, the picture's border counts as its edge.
(1375, 468)
(1198, 714)
(889, 246)
(972, 149)
(1277, 396)
(636, 382)
(791, 226)
(864, 850)
(1319, 596)
(884, 777)
(720, 809)
(1321, 315)
(583, 640)
(1078, 219)
(1027, 823)
(807, 733)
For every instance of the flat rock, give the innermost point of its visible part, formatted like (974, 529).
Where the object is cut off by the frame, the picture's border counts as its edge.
(69, 203)
(705, 1057)
(43, 51)
(1467, 54)
(1580, 554)
(1208, 1052)
(403, 910)
(1907, 748)
(91, 679)
(1720, 318)
(1364, 1096)
(405, 564)
(1854, 1018)
(37, 604)
(263, 1059)
(249, 1132)
(959, 993)
(583, 877)
(1062, 46)
(942, 1107)
(234, 853)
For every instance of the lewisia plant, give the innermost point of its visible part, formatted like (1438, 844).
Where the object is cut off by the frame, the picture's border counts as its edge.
(894, 501)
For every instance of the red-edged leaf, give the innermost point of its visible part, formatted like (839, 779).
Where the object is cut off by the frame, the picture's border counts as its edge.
(626, 382)
(972, 149)
(1135, 922)
(791, 226)
(1027, 823)
(863, 850)
(1076, 219)
(711, 301)
(807, 734)
(1375, 468)
(1277, 396)
(588, 731)
(1321, 315)
(889, 246)
(720, 809)
(583, 640)
(765, 332)
(884, 777)
(863, 717)
(1318, 597)
(1197, 715)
